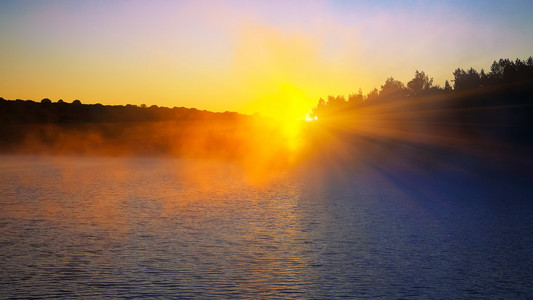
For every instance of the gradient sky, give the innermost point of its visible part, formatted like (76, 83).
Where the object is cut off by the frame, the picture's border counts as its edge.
(245, 56)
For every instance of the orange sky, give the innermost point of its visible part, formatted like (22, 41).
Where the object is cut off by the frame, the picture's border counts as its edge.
(247, 56)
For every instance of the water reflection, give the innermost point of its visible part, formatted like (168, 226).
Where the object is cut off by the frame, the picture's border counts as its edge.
(195, 224)
(150, 227)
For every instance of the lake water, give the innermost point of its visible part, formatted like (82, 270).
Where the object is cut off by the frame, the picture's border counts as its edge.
(154, 227)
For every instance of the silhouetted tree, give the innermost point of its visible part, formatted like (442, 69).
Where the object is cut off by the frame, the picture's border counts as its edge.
(496, 70)
(46, 101)
(529, 64)
(420, 83)
(336, 101)
(356, 99)
(466, 79)
(447, 86)
(372, 95)
(392, 87)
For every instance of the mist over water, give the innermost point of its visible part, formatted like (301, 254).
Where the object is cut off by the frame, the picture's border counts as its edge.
(160, 227)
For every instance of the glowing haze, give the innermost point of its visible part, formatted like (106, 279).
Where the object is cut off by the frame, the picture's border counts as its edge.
(272, 57)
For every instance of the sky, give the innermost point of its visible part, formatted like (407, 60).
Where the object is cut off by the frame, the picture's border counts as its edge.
(271, 57)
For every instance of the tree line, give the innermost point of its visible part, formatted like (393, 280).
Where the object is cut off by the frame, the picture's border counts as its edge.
(482, 116)
(502, 96)
(502, 72)
(28, 111)
(28, 126)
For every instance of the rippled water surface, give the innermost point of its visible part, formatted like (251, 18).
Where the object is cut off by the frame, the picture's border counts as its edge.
(146, 227)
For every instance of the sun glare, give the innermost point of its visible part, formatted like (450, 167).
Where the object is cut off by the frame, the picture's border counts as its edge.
(288, 108)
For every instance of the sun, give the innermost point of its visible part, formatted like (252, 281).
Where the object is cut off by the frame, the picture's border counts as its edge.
(293, 114)
(282, 125)
(288, 110)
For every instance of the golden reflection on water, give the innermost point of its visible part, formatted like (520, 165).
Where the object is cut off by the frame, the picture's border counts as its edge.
(87, 192)
(208, 209)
